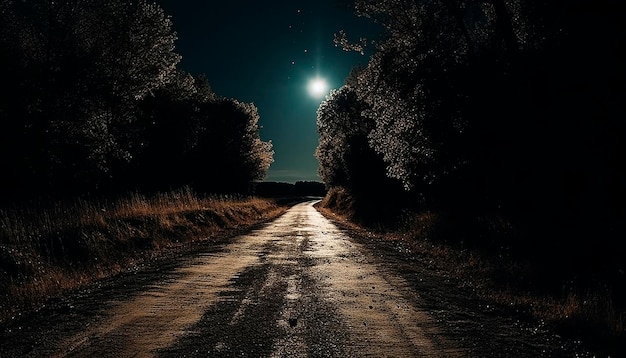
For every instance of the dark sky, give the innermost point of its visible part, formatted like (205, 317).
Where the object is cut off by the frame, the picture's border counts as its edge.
(265, 52)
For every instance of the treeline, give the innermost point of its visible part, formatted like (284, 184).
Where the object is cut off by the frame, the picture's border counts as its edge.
(281, 189)
(506, 115)
(93, 101)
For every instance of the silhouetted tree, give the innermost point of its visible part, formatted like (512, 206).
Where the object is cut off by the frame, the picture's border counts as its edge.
(95, 102)
(345, 156)
(193, 137)
(80, 67)
(333, 126)
(420, 80)
(502, 106)
(343, 153)
(169, 128)
(230, 153)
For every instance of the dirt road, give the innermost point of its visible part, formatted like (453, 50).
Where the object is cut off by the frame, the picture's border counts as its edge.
(298, 287)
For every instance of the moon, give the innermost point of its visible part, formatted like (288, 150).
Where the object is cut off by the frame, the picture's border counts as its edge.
(317, 87)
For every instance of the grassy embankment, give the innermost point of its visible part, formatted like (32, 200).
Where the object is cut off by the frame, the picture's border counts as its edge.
(48, 249)
(582, 313)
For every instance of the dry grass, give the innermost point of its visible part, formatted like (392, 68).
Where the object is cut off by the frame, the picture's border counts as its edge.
(49, 248)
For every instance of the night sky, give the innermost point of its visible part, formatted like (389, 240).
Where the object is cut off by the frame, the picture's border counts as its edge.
(266, 52)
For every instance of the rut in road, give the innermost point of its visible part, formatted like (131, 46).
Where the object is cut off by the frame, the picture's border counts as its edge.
(296, 287)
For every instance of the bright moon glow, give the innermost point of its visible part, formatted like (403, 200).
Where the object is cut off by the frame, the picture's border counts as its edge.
(317, 87)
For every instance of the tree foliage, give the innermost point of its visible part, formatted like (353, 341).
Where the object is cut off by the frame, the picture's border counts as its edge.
(82, 78)
(345, 156)
(420, 83)
(506, 106)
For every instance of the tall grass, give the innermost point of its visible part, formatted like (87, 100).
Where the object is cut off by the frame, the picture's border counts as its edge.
(47, 248)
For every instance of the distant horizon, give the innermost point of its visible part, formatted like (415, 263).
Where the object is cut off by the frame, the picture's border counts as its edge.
(291, 181)
(289, 176)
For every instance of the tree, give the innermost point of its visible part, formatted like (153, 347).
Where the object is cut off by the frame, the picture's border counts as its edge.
(430, 84)
(502, 106)
(79, 68)
(343, 133)
(230, 153)
(168, 128)
(345, 157)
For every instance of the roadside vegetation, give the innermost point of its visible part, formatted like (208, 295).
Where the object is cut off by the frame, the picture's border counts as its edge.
(50, 248)
(584, 307)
